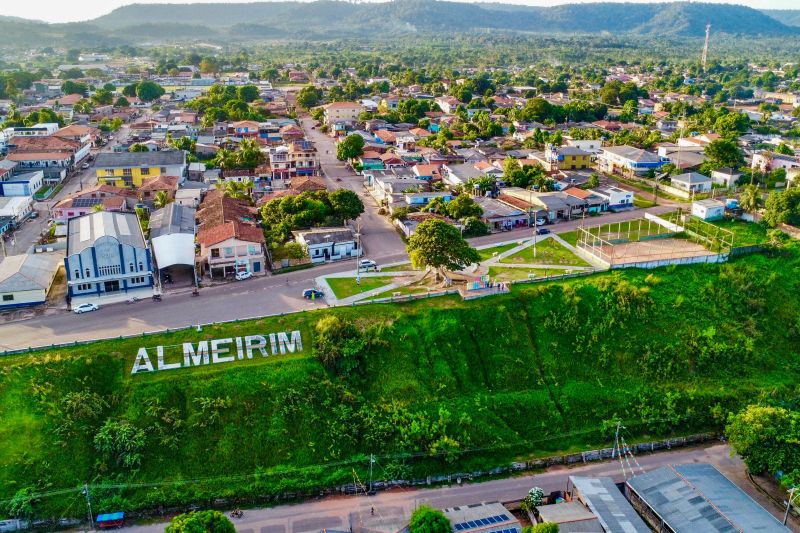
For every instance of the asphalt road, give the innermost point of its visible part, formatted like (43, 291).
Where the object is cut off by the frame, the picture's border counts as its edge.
(333, 512)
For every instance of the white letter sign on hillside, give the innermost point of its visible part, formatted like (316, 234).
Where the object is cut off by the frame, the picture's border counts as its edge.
(220, 351)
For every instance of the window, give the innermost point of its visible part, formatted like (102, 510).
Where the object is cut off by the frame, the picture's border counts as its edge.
(141, 265)
(252, 249)
(109, 172)
(131, 267)
(145, 171)
(228, 251)
(88, 273)
(163, 170)
(8, 297)
(77, 274)
(215, 253)
(127, 172)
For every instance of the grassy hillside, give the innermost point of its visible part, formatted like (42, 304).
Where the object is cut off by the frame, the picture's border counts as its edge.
(443, 386)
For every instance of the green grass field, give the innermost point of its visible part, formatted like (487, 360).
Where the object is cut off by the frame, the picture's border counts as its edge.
(488, 253)
(548, 252)
(344, 287)
(745, 233)
(405, 267)
(439, 386)
(517, 274)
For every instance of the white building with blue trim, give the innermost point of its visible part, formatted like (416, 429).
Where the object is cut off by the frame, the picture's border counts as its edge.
(107, 259)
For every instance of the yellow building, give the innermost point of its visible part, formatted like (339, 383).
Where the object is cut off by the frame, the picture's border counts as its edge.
(566, 158)
(130, 169)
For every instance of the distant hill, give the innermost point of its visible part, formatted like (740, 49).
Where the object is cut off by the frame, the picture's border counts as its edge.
(790, 17)
(334, 19)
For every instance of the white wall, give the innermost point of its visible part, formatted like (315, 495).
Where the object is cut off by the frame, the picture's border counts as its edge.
(23, 298)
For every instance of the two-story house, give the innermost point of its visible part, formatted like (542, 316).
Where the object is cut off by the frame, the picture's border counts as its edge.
(131, 169)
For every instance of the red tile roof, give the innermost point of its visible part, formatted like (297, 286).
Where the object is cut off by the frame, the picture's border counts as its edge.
(230, 230)
(38, 156)
(160, 183)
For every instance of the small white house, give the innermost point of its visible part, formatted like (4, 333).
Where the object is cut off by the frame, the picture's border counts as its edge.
(692, 182)
(23, 184)
(727, 177)
(26, 279)
(617, 198)
(587, 145)
(15, 207)
(328, 244)
(708, 209)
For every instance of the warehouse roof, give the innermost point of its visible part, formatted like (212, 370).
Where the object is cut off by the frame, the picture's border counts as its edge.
(83, 231)
(608, 504)
(28, 272)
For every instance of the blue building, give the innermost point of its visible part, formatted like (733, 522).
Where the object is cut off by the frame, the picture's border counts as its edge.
(22, 184)
(107, 259)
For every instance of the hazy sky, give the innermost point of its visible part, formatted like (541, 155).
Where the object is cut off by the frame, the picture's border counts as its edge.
(74, 10)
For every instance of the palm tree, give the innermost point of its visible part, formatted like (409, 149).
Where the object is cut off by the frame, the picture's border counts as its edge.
(161, 199)
(98, 207)
(240, 190)
(750, 200)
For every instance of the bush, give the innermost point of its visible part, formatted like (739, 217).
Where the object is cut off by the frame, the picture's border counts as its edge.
(339, 345)
(201, 522)
(428, 520)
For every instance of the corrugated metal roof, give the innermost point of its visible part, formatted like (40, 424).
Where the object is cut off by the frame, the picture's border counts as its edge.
(139, 159)
(697, 497)
(29, 272)
(83, 231)
(609, 505)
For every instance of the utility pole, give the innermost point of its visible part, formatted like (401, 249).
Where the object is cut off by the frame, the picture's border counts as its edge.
(371, 461)
(88, 504)
(789, 505)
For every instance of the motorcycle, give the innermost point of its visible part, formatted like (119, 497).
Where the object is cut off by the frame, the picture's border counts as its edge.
(237, 513)
(195, 293)
(156, 297)
(133, 300)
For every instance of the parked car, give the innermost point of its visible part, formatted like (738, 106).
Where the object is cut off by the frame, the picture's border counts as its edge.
(85, 166)
(313, 294)
(241, 276)
(367, 265)
(542, 231)
(85, 308)
(541, 221)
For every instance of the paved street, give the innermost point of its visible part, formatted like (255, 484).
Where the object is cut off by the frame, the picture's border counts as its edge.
(333, 512)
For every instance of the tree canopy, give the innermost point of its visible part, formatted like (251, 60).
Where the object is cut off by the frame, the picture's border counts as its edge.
(201, 522)
(439, 245)
(350, 147)
(426, 519)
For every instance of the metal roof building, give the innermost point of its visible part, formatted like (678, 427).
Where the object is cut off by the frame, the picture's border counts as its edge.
(482, 518)
(694, 498)
(172, 231)
(26, 279)
(608, 504)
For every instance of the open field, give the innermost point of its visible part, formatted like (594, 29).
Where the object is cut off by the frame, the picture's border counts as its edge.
(344, 287)
(488, 253)
(435, 386)
(744, 233)
(517, 274)
(548, 252)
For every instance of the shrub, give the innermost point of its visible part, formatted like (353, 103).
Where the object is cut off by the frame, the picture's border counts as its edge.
(428, 520)
(201, 522)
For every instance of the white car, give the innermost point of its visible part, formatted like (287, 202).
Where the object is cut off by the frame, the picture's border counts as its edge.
(85, 308)
(241, 276)
(367, 265)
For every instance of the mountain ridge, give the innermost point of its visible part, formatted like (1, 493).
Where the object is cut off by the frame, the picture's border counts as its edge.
(281, 19)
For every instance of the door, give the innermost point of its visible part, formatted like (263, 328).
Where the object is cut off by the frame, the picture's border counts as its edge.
(111, 286)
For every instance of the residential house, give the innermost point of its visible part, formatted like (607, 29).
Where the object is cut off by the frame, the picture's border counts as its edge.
(107, 258)
(342, 111)
(189, 197)
(22, 184)
(628, 159)
(370, 160)
(244, 128)
(427, 172)
(592, 146)
(708, 209)
(86, 202)
(594, 202)
(455, 175)
(691, 182)
(131, 169)
(700, 141)
(501, 216)
(291, 132)
(230, 239)
(767, 161)
(683, 157)
(566, 158)
(448, 104)
(77, 132)
(53, 155)
(303, 158)
(26, 279)
(328, 244)
(421, 199)
(390, 185)
(617, 198)
(726, 176)
(483, 517)
(152, 186)
(15, 208)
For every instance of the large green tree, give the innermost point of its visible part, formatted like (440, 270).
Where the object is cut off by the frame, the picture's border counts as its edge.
(147, 91)
(201, 522)
(350, 147)
(723, 153)
(462, 207)
(768, 439)
(439, 245)
(426, 519)
(346, 204)
(308, 97)
(783, 207)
